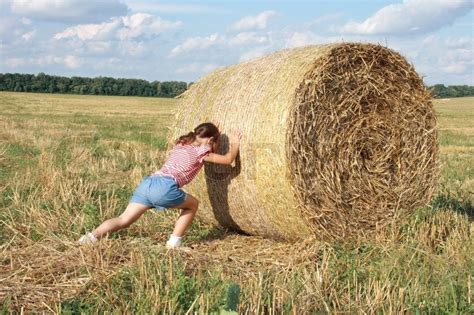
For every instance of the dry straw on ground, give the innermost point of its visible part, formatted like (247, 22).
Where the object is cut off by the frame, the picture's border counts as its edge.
(338, 139)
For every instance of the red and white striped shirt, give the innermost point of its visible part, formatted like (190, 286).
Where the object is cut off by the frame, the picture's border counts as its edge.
(184, 162)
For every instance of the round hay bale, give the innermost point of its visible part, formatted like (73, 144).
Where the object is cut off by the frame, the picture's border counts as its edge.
(338, 139)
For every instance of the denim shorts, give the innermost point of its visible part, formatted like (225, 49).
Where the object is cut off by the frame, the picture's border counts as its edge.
(158, 192)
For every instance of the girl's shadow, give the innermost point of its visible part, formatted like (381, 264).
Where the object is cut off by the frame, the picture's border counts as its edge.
(218, 178)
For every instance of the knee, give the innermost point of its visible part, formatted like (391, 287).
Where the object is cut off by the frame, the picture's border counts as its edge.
(194, 205)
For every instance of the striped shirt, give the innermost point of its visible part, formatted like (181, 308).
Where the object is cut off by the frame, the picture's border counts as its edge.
(184, 162)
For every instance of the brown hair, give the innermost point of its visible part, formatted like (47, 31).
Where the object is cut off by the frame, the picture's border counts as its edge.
(204, 130)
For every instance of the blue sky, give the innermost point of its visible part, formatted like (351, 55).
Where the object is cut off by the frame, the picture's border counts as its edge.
(184, 40)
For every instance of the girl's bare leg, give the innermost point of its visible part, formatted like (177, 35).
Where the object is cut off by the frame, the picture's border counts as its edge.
(130, 215)
(189, 208)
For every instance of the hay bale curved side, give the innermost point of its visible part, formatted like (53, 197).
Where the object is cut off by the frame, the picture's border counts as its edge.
(254, 196)
(290, 105)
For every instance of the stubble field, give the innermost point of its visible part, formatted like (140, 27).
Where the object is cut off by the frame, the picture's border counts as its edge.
(68, 162)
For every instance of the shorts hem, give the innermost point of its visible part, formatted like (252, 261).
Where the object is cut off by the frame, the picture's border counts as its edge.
(185, 196)
(140, 200)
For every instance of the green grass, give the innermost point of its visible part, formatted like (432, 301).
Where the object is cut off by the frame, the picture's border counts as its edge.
(68, 162)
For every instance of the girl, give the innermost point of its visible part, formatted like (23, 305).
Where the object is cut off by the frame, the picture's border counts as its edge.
(162, 189)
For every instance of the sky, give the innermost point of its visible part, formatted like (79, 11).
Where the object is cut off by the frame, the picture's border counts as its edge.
(184, 40)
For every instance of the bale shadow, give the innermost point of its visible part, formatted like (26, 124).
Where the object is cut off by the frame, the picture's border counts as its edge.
(447, 200)
(218, 178)
(219, 233)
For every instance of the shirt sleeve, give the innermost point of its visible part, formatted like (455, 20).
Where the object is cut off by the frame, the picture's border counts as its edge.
(202, 152)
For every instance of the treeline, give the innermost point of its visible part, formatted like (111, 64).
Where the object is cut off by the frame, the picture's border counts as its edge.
(441, 91)
(44, 83)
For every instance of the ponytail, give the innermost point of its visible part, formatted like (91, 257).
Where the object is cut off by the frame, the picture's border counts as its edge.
(204, 130)
(188, 138)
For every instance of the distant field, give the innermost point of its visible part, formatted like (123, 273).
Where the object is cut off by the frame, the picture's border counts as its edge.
(68, 162)
(456, 125)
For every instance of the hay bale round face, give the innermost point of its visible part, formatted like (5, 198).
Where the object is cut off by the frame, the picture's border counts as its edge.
(340, 139)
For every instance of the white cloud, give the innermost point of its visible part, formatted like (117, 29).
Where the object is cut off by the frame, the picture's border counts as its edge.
(457, 60)
(215, 40)
(69, 61)
(253, 22)
(297, 39)
(72, 62)
(246, 38)
(124, 27)
(439, 59)
(28, 35)
(98, 47)
(12, 29)
(463, 42)
(252, 54)
(132, 48)
(197, 68)
(411, 16)
(68, 10)
(455, 68)
(137, 6)
(197, 43)
(141, 23)
(293, 39)
(124, 45)
(100, 31)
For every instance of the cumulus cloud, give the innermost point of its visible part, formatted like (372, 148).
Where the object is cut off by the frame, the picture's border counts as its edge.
(291, 39)
(95, 47)
(440, 59)
(100, 31)
(297, 39)
(409, 17)
(252, 54)
(122, 28)
(246, 38)
(197, 43)
(12, 29)
(254, 21)
(70, 61)
(141, 23)
(197, 68)
(154, 7)
(462, 42)
(457, 60)
(28, 35)
(69, 10)
(131, 48)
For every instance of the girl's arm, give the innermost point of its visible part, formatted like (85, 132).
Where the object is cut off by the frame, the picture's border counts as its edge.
(229, 157)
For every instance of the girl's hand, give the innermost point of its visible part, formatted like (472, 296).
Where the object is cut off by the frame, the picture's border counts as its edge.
(237, 134)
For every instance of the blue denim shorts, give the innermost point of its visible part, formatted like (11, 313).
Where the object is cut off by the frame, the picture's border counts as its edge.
(158, 192)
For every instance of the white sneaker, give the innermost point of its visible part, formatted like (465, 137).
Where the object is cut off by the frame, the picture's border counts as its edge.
(87, 238)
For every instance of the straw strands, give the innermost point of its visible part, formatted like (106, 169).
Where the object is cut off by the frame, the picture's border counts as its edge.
(338, 140)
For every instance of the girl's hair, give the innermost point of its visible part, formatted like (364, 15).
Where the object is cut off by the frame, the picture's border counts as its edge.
(204, 130)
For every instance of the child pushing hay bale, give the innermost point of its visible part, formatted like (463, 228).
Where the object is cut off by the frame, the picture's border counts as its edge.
(340, 138)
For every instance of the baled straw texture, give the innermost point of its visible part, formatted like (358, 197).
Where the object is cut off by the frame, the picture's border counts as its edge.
(338, 139)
